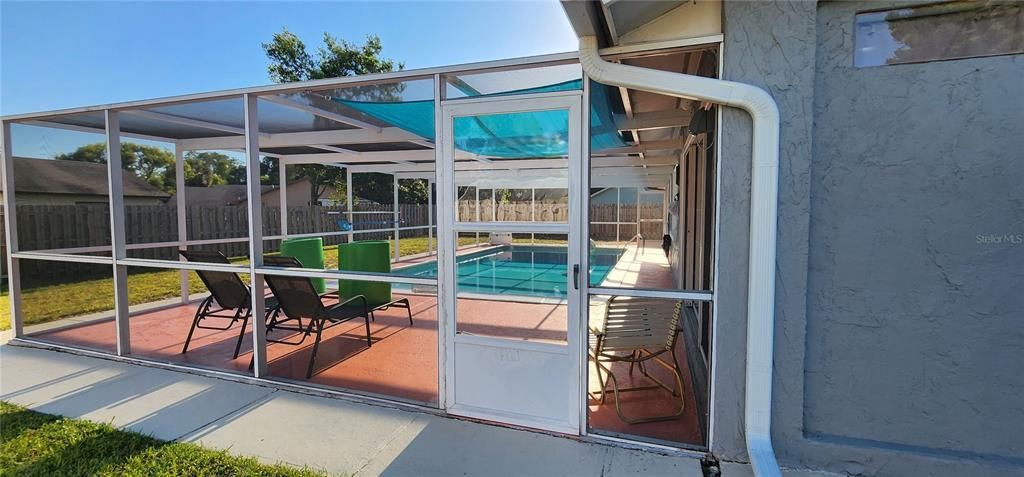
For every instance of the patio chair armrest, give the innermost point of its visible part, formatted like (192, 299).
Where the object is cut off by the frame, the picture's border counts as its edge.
(356, 298)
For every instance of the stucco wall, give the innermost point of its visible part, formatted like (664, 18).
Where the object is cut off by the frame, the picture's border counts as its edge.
(899, 337)
(72, 199)
(765, 45)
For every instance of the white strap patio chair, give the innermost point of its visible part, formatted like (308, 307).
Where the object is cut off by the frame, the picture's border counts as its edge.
(637, 330)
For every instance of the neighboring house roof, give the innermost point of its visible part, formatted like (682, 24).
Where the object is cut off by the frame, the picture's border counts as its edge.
(50, 176)
(230, 194)
(224, 194)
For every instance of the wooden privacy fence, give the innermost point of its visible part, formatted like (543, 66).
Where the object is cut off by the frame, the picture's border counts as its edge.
(605, 219)
(47, 227)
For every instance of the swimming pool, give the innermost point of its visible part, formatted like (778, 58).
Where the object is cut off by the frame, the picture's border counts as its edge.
(524, 270)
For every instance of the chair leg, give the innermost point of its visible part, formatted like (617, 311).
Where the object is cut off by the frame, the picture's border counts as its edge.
(678, 372)
(316, 346)
(676, 392)
(270, 324)
(369, 343)
(245, 322)
(269, 317)
(195, 321)
(408, 309)
(601, 380)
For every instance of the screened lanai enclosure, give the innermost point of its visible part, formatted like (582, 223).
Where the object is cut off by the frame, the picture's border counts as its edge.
(505, 241)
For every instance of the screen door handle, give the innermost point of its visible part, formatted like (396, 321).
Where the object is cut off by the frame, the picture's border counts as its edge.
(576, 276)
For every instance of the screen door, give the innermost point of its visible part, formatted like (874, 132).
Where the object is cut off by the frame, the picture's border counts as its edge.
(510, 274)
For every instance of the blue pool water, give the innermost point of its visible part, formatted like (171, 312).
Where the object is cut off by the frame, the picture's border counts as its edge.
(530, 270)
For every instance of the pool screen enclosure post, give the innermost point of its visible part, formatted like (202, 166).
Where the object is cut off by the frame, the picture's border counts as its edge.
(117, 234)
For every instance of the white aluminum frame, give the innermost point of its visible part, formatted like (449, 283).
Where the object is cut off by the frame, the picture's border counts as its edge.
(251, 140)
(329, 83)
(11, 228)
(587, 292)
(448, 233)
(254, 207)
(115, 181)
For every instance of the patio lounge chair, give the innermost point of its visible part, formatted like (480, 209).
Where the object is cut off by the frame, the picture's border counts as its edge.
(636, 331)
(298, 299)
(227, 292)
(382, 290)
(369, 256)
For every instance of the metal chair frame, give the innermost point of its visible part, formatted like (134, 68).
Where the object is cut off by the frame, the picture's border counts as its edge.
(638, 356)
(324, 317)
(206, 307)
(399, 303)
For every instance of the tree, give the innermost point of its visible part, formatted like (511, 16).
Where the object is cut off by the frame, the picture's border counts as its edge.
(378, 187)
(152, 164)
(320, 178)
(290, 61)
(207, 169)
(269, 171)
(95, 153)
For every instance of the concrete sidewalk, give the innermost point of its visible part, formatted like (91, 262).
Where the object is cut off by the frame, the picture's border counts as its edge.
(333, 435)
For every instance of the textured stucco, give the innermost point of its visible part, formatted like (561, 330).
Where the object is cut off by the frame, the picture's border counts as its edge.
(899, 344)
(765, 45)
(914, 335)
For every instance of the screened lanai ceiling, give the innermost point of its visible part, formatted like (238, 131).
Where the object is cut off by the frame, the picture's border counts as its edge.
(391, 124)
(510, 135)
(277, 114)
(521, 135)
(642, 103)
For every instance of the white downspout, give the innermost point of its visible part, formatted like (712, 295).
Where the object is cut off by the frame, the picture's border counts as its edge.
(763, 212)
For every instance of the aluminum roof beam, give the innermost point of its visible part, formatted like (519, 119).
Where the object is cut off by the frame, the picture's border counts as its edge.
(305, 86)
(311, 138)
(514, 164)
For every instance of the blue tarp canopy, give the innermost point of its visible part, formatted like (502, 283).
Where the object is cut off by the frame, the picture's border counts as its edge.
(507, 135)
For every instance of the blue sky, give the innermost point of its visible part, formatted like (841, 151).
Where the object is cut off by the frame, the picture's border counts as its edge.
(65, 54)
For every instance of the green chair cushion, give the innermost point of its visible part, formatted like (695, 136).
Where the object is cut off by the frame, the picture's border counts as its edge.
(310, 253)
(365, 256)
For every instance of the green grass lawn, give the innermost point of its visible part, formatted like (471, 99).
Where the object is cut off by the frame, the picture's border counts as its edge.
(36, 444)
(53, 302)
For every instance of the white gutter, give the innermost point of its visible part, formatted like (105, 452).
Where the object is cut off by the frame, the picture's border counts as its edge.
(763, 213)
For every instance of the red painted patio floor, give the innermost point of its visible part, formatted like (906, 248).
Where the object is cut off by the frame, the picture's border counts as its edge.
(402, 362)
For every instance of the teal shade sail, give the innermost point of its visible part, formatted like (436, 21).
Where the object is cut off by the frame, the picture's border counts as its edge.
(514, 135)
(506, 135)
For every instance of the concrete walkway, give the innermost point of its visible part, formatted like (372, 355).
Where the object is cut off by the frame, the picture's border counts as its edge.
(333, 435)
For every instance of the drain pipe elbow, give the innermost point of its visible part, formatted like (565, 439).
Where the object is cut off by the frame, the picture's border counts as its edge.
(763, 222)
